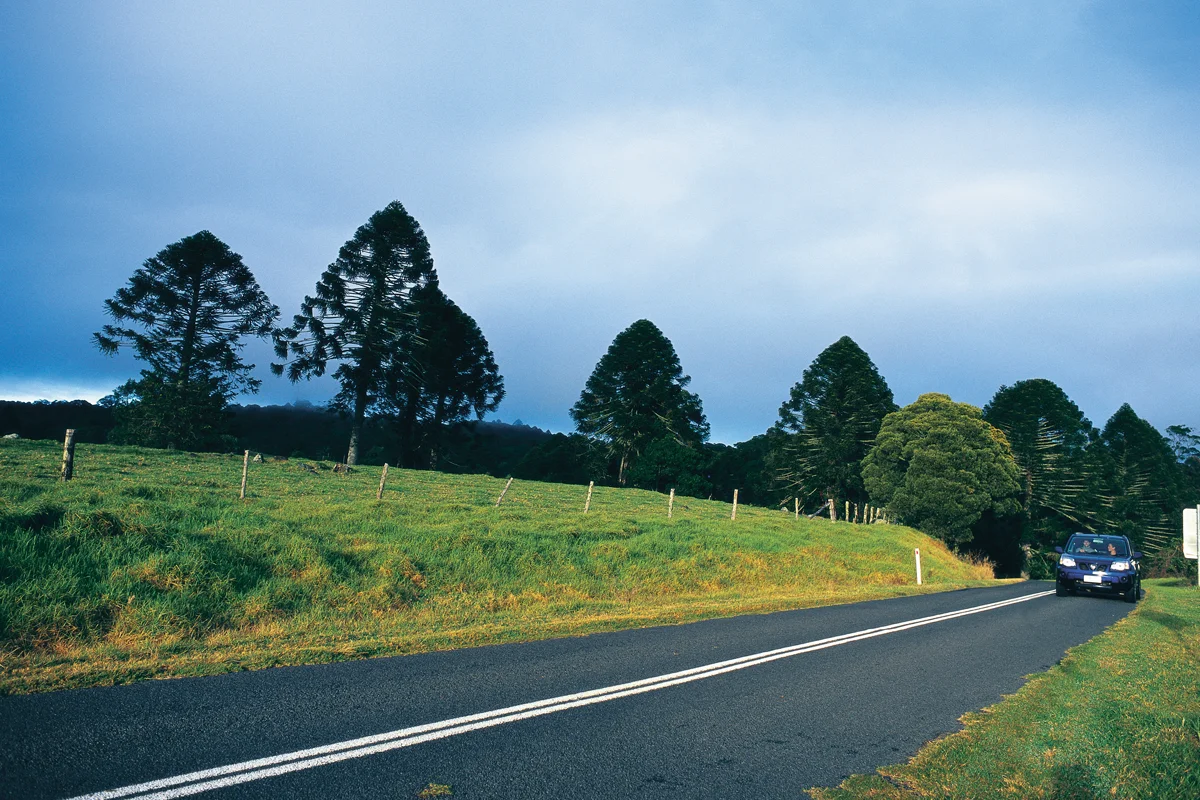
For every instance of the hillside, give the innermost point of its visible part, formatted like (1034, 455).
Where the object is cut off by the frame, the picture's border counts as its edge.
(148, 565)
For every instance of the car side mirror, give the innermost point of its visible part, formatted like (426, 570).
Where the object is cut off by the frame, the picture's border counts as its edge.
(1058, 550)
(1137, 556)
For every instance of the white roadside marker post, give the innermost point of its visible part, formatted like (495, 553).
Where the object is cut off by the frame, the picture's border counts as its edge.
(1191, 537)
(917, 555)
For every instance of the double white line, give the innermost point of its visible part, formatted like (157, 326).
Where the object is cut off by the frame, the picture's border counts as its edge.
(246, 771)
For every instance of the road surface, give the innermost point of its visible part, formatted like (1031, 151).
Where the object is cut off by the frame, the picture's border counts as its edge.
(756, 706)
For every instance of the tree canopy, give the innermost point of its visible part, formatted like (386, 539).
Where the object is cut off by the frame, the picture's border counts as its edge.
(360, 314)
(1143, 481)
(194, 302)
(636, 394)
(185, 312)
(938, 466)
(830, 421)
(446, 375)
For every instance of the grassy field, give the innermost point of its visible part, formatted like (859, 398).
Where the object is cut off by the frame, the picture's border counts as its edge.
(148, 565)
(1119, 717)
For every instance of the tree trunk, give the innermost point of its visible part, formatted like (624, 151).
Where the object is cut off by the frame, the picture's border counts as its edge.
(621, 469)
(189, 336)
(360, 413)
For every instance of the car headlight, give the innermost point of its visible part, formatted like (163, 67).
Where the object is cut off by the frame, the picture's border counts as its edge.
(1119, 566)
(1066, 561)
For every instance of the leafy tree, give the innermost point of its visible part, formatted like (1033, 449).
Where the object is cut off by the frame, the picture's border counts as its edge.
(938, 466)
(192, 304)
(563, 458)
(1184, 442)
(360, 314)
(637, 394)
(446, 375)
(1143, 481)
(830, 422)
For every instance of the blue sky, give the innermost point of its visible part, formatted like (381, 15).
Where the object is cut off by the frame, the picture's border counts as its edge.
(977, 193)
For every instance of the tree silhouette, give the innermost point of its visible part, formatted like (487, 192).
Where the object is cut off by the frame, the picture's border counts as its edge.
(192, 304)
(446, 375)
(360, 314)
(637, 394)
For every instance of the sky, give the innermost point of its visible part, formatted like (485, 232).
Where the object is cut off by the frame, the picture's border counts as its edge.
(977, 193)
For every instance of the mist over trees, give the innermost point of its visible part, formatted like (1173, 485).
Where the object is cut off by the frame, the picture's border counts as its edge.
(185, 312)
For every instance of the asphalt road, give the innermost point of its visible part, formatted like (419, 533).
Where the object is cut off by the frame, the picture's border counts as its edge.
(761, 730)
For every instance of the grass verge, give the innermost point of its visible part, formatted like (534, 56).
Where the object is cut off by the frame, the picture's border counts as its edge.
(1118, 717)
(148, 565)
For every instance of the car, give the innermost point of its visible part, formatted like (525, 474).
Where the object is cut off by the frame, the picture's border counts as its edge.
(1101, 563)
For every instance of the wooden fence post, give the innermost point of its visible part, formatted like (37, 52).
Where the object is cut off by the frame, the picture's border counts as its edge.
(797, 499)
(382, 481)
(68, 465)
(501, 497)
(671, 503)
(588, 503)
(734, 514)
(245, 469)
(832, 510)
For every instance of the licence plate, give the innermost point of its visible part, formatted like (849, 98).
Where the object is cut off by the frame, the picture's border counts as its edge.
(1091, 578)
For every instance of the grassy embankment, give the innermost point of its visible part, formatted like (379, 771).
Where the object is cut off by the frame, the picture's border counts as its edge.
(1119, 717)
(148, 565)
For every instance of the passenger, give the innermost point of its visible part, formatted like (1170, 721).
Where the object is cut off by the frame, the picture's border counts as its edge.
(1112, 549)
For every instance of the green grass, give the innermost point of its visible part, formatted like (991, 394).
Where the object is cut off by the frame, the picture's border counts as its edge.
(1119, 717)
(148, 565)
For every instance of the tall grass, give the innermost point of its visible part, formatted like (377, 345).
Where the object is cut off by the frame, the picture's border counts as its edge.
(148, 564)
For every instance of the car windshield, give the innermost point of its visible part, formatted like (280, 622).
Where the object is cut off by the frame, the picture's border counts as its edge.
(1097, 546)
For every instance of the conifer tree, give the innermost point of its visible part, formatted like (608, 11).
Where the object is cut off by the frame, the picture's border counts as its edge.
(447, 374)
(829, 423)
(637, 394)
(360, 314)
(192, 304)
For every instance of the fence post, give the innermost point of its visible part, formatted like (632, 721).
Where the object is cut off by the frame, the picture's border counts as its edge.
(68, 465)
(382, 480)
(587, 504)
(734, 514)
(797, 499)
(245, 469)
(832, 510)
(917, 555)
(501, 497)
(671, 503)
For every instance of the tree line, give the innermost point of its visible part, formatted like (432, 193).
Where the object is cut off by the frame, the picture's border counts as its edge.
(1009, 480)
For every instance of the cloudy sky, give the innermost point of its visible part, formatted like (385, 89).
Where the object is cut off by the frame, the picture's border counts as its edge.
(976, 192)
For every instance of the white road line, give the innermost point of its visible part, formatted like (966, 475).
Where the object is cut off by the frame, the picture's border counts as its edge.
(257, 769)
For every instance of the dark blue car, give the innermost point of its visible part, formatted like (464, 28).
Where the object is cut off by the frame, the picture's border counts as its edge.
(1099, 563)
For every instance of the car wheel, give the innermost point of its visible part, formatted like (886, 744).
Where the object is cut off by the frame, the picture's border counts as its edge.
(1060, 590)
(1132, 595)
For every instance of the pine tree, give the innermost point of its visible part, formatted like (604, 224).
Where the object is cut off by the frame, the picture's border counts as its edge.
(830, 422)
(637, 394)
(360, 315)
(192, 304)
(448, 374)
